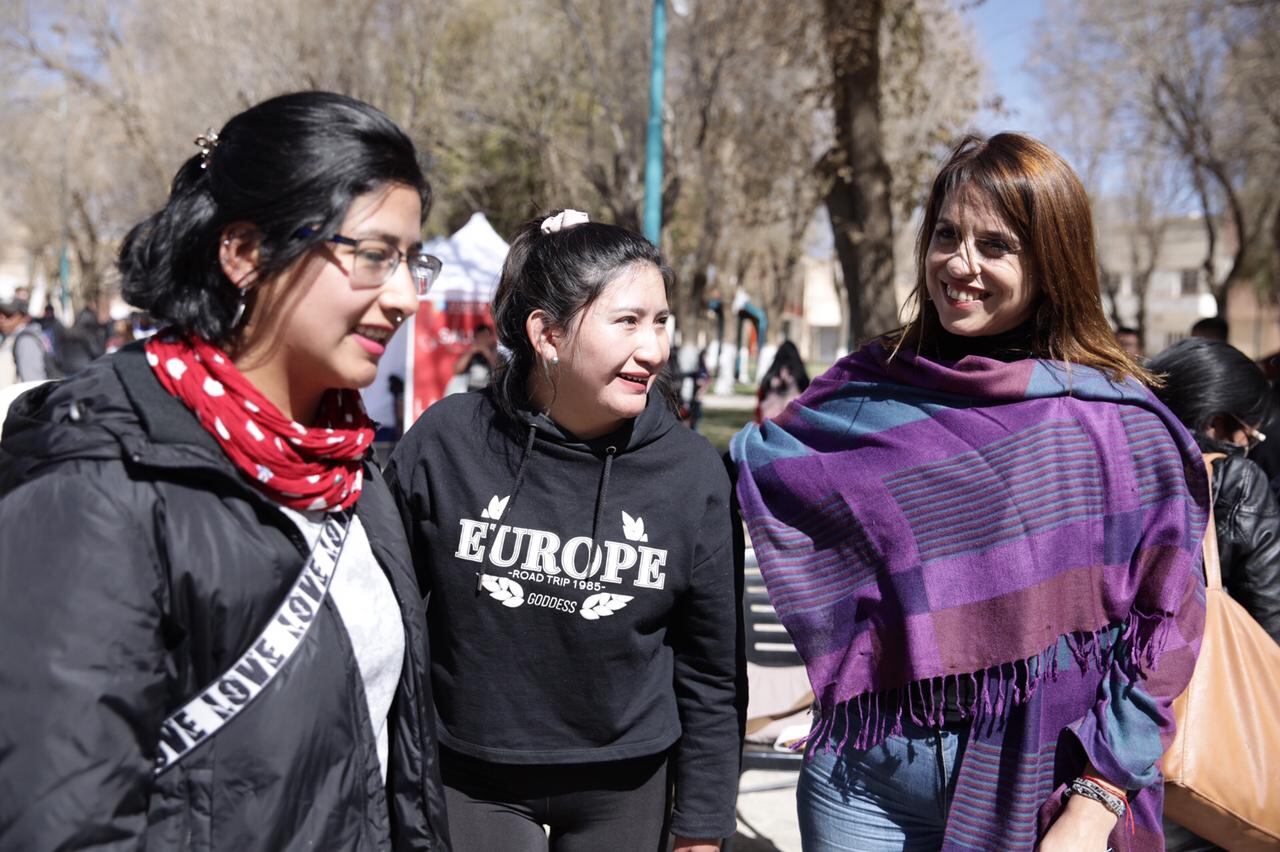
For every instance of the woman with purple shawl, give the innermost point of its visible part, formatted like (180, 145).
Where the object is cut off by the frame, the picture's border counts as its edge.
(983, 534)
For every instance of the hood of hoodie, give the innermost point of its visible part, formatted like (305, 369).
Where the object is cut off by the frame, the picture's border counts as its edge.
(114, 409)
(653, 423)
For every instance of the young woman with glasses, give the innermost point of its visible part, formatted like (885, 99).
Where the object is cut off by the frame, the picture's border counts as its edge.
(982, 532)
(1223, 397)
(213, 635)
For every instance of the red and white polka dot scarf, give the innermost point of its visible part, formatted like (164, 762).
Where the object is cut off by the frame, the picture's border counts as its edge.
(308, 469)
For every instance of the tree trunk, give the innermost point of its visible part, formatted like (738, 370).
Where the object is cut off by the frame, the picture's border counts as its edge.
(1111, 290)
(1141, 284)
(858, 198)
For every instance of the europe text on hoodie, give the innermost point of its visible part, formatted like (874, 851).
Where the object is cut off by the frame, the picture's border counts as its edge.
(542, 653)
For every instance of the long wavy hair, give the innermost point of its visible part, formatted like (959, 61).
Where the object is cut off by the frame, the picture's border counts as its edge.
(1043, 201)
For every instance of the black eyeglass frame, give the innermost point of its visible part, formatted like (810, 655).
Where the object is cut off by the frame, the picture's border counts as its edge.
(430, 262)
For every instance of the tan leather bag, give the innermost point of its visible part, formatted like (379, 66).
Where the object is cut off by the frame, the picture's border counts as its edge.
(1222, 773)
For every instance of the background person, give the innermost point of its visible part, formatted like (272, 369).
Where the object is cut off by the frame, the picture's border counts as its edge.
(1130, 340)
(84, 341)
(480, 360)
(785, 380)
(24, 354)
(1211, 328)
(1224, 398)
(158, 507)
(577, 545)
(983, 534)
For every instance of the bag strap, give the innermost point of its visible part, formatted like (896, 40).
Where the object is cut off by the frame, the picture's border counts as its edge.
(1212, 564)
(222, 700)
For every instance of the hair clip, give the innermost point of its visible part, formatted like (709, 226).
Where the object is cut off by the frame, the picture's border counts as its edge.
(206, 142)
(562, 220)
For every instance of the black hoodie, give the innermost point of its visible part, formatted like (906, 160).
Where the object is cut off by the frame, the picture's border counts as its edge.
(538, 658)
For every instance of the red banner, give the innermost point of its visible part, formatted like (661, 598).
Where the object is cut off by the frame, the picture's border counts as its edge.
(440, 337)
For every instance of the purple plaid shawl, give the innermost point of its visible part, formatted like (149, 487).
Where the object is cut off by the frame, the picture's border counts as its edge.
(1002, 524)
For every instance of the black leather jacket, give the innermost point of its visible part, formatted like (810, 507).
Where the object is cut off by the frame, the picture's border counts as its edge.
(1248, 524)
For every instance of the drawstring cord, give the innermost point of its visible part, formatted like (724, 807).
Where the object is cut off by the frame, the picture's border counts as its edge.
(601, 494)
(515, 492)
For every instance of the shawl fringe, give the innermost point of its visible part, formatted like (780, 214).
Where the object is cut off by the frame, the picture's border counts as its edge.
(867, 718)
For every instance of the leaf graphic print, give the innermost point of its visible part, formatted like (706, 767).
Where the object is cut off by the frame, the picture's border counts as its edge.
(633, 528)
(495, 508)
(503, 589)
(598, 606)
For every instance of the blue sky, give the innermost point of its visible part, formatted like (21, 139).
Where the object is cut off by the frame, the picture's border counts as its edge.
(1005, 31)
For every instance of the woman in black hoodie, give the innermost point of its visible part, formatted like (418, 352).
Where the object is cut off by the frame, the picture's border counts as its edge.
(578, 550)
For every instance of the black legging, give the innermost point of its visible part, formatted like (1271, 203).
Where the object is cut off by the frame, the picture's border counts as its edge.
(621, 805)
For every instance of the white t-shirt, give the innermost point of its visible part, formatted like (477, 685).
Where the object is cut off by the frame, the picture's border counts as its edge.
(371, 616)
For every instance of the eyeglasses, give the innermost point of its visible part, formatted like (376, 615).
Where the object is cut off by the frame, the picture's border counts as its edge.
(1254, 436)
(376, 260)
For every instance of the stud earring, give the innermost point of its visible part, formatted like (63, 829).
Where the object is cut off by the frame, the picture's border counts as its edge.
(555, 360)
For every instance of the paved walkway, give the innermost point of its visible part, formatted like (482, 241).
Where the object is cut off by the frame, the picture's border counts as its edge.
(729, 402)
(767, 819)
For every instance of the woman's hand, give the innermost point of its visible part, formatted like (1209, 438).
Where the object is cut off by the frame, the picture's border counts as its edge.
(685, 844)
(1083, 826)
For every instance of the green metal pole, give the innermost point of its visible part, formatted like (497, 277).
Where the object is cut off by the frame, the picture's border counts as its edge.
(653, 144)
(64, 260)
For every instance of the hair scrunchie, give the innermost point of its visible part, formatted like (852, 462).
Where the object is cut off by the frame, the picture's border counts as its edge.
(563, 220)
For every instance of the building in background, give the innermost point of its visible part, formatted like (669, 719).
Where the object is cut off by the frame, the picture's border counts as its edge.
(1178, 292)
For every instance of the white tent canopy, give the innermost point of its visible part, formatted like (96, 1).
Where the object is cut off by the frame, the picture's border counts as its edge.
(478, 254)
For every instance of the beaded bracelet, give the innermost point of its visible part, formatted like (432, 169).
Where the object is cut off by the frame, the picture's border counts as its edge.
(1108, 786)
(1092, 790)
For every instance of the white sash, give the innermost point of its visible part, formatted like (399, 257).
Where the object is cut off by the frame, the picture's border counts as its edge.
(221, 701)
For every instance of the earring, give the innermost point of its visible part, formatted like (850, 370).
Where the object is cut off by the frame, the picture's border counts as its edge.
(239, 314)
(555, 360)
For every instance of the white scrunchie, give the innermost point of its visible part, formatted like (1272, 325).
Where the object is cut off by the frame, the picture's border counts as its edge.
(563, 219)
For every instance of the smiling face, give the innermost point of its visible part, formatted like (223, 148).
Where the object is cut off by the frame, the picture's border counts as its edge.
(974, 269)
(611, 355)
(310, 330)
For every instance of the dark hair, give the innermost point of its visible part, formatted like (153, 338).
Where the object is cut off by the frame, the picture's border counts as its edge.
(1042, 199)
(561, 274)
(290, 162)
(1211, 328)
(787, 356)
(1205, 378)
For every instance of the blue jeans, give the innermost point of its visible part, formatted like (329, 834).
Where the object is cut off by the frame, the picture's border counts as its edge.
(892, 796)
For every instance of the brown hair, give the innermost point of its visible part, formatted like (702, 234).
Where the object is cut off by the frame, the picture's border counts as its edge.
(1045, 204)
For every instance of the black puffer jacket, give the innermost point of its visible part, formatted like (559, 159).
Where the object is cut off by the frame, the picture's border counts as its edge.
(136, 565)
(1248, 523)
